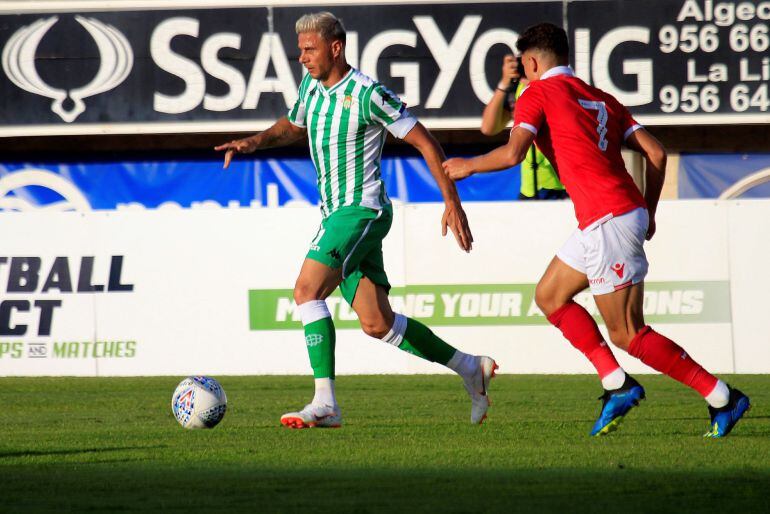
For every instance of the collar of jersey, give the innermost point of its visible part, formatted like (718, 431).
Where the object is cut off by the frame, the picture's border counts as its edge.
(336, 86)
(558, 70)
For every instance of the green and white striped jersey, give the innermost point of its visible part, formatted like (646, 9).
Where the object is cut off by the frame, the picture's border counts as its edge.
(346, 132)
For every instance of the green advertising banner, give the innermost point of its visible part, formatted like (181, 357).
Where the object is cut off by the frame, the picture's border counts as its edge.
(496, 305)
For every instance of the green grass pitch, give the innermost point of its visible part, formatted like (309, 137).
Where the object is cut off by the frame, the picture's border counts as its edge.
(111, 444)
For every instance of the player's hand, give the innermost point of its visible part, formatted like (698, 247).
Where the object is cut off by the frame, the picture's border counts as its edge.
(245, 145)
(454, 218)
(651, 229)
(510, 71)
(457, 168)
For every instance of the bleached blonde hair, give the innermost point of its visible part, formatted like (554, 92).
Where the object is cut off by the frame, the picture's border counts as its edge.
(325, 23)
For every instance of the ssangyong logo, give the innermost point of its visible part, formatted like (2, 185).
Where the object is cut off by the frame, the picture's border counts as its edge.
(72, 199)
(116, 62)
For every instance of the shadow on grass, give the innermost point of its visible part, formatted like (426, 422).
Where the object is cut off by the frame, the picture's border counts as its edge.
(73, 451)
(142, 488)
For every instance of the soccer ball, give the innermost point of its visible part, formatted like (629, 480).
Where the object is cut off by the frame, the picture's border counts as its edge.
(199, 402)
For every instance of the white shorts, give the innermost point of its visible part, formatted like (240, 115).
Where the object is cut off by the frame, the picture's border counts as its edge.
(610, 251)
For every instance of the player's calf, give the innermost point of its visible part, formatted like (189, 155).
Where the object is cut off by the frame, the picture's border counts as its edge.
(726, 406)
(413, 337)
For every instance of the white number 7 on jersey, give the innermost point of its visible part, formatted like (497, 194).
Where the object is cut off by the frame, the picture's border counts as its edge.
(601, 117)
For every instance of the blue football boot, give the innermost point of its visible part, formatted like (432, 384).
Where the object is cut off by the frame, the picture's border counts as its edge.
(616, 404)
(725, 418)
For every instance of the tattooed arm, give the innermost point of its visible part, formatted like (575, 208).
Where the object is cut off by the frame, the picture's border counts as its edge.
(282, 133)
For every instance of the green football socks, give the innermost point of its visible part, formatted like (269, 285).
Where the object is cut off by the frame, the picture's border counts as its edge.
(429, 345)
(413, 337)
(319, 337)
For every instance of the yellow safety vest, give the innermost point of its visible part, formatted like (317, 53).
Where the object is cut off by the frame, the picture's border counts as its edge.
(536, 166)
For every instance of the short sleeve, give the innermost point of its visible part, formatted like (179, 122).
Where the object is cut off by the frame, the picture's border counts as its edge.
(627, 123)
(387, 109)
(298, 112)
(529, 113)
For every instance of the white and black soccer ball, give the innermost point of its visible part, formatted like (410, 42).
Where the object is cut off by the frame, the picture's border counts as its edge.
(199, 402)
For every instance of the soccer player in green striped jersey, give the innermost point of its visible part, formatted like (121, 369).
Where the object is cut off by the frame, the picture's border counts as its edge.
(345, 116)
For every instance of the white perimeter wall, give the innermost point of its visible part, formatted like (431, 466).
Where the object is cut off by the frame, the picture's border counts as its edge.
(192, 271)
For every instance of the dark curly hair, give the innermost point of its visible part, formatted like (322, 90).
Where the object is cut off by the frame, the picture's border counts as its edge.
(547, 37)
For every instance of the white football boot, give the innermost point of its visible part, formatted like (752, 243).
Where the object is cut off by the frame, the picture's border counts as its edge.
(477, 384)
(313, 416)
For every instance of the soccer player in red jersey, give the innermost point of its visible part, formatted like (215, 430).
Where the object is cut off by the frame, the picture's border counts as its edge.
(580, 129)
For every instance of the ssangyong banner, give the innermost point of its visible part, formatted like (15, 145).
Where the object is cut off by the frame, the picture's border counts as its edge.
(237, 68)
(227, 69)
(677, 61)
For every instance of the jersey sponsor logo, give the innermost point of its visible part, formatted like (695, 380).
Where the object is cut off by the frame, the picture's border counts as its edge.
(619, 268)
(116, 61)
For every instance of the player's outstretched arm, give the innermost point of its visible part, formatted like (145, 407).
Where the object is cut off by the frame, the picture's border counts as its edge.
(454, 216)
(498, 159)
(282, 133)
(655, 156)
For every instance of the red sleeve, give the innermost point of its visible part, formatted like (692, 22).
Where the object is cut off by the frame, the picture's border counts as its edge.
(529, 110)
(627, 122)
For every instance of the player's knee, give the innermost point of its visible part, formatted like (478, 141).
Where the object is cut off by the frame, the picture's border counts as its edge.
(376, 328)
(545, 300)
(621, 338)
(304, 292)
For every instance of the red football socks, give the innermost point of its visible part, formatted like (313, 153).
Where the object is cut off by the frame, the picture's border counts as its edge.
(664, 355)
(581, 330)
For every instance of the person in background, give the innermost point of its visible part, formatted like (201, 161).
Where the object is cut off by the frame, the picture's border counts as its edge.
(539, 180)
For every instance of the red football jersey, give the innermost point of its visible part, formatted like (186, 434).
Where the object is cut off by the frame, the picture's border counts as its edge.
(580, 129)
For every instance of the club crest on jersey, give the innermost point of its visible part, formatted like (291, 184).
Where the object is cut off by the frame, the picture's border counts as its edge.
(347, 102)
